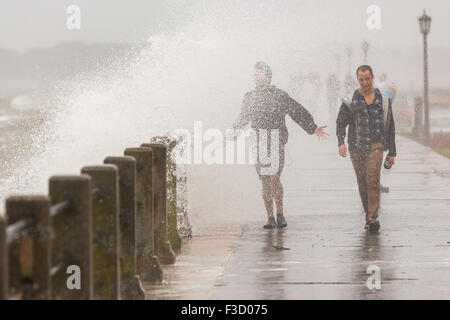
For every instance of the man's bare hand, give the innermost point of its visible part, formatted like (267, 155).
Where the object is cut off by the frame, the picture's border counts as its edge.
(391, 160)
(343, 150)
(321, 133)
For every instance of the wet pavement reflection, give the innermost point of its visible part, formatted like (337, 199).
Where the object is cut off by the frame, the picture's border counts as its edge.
(325, 253)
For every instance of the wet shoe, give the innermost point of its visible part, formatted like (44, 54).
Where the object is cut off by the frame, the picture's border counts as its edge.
(374, 226)
(271, 224)
(281, 221)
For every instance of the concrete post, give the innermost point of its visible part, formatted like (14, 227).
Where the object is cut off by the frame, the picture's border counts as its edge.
(426, 126)
(72, 248)
(4, 286)
(130, 284)
(105, 231)
(147, 264)
(172, 202)
(418, 117)
(30, 255)
(163, 248)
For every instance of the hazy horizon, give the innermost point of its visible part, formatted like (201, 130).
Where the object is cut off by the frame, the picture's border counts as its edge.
(43, 23)
(308, 37)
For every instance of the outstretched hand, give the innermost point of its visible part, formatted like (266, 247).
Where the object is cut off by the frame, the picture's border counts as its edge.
(321, 133)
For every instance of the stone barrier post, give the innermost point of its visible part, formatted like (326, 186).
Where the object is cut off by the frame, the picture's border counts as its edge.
(147, 264)
(4, 284)
(418, 118)
(130, 284)
(163, 248)
(72, 242)
(175, 202)
(105, 231)
(29, 251)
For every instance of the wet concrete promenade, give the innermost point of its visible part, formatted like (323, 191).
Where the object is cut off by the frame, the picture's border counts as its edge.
(325, 253)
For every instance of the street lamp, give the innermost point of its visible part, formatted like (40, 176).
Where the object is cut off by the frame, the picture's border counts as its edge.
(425, 25)
(337, 56)
(349, 59)
(365, 47)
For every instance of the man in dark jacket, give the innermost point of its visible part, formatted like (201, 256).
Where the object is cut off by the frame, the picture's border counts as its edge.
(266, 108)
(368, 114)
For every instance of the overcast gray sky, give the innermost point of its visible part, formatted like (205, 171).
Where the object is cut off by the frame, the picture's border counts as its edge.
(26, 24)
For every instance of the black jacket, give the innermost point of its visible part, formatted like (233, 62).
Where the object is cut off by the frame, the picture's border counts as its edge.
(267, 107)
(350, 115)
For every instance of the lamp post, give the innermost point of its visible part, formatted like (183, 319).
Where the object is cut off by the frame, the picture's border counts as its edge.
(365, 47)
(337, 56)
(349, 59)
(425, 25)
